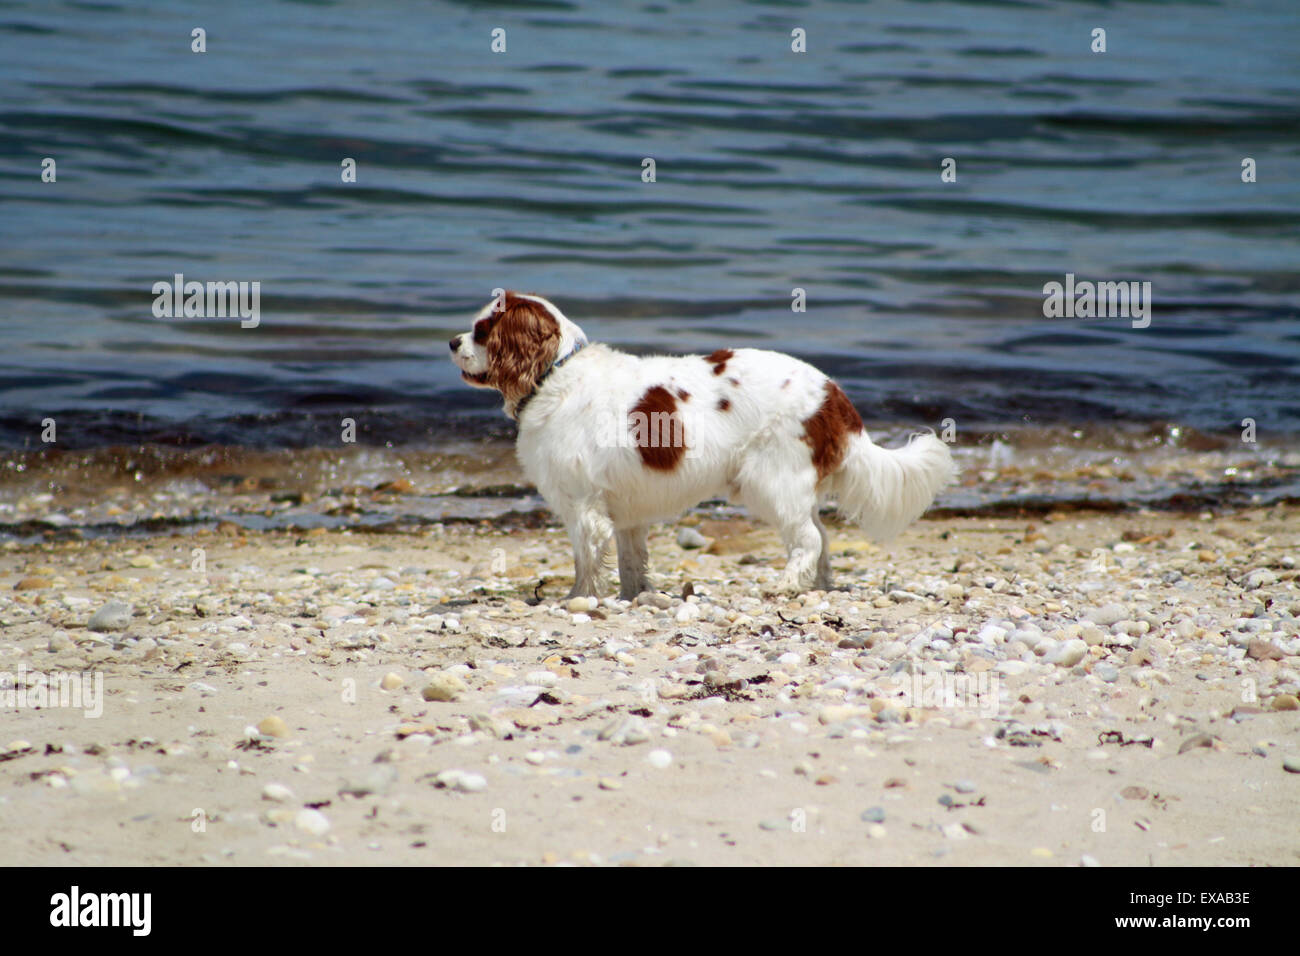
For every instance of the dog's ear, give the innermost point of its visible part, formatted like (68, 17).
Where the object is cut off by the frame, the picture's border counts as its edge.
(523, 343)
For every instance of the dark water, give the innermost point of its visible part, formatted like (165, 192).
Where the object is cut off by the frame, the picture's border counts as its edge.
(774, 170)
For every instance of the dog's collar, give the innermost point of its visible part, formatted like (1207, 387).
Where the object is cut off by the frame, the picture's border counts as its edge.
(519, 406)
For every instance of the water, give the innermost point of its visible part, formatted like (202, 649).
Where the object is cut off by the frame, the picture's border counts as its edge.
(775, 170)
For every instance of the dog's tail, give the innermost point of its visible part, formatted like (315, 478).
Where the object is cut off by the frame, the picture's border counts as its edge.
(883, 490)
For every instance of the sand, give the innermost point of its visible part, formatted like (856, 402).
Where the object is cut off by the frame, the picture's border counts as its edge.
(1123, 693)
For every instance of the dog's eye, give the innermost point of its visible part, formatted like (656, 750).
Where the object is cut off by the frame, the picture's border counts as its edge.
(481, 331)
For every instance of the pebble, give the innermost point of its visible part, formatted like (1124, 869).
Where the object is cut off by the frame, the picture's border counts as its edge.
(838, 713)
(659, 759)
(1259, 578)
(687, 613)
(1106, 671)
(1092, 635)
(461, 780)
(1260, 649)
(113, 616)
(1069, 654)
(625, 731)
(1195, 742)
(273, 726)
(379, 779)
(392, 681)
(1106, 615)
(1291, 764)
(443, 687)
(277, 792)
(312, 822)
(890, 650)
(691, 539)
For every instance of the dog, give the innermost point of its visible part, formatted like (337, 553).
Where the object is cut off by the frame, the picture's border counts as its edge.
(614, 442)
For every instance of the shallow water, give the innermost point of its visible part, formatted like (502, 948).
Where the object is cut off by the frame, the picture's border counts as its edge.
(775, 170)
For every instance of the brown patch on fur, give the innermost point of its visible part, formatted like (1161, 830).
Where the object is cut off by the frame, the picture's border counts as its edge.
(719, 360)
(724, 404)
(657, 430)
(734, 382)
(523, 341)
(683, 395)
(828, 429)
(786, 383)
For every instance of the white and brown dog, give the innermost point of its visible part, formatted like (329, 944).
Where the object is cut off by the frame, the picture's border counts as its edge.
(614, 441)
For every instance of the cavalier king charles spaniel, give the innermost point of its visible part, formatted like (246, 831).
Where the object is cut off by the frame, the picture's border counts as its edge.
(615, 441)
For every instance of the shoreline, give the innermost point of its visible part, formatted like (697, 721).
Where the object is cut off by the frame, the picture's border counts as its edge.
(157, 490)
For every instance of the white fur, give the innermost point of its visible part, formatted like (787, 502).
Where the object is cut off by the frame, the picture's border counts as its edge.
(573, 444)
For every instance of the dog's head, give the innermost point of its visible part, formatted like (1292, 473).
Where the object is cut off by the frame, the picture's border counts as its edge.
(515, 338)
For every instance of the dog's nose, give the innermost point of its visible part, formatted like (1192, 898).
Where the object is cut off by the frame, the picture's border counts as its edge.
(455, 343)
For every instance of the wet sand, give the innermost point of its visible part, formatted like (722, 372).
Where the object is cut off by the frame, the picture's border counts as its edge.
(115, 490)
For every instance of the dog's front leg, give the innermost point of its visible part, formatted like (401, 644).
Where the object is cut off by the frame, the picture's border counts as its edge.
(590, 532)
(633, 556)
(803, 543)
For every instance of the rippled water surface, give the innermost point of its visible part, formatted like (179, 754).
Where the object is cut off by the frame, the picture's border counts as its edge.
(775, 170)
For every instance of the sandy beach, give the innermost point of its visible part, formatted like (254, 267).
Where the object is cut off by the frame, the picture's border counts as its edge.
(1060, 690)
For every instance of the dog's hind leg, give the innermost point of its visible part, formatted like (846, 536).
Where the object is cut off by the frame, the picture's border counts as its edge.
(590, 531)
(633, 556)
(823, 580)
(803, 547)
(785, 496)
